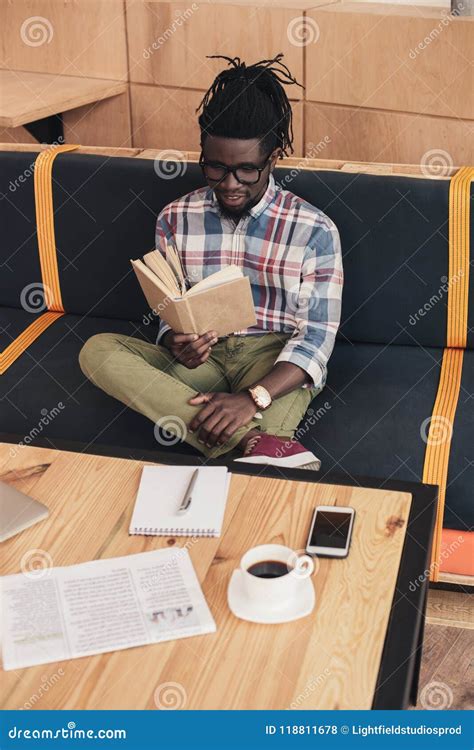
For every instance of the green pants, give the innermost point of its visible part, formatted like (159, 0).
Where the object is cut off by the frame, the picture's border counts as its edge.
(149, 380)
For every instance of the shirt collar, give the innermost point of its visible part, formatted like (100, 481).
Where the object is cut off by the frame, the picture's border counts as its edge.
(265, 200)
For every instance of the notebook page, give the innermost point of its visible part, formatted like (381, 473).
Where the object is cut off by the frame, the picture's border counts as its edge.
(161, 491)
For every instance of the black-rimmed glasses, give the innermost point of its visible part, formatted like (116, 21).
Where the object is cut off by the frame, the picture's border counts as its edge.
(246, 174)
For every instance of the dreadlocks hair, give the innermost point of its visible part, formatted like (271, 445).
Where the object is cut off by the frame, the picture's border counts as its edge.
(250, 102)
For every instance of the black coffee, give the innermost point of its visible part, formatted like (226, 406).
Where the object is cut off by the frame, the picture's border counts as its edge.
(269, 569)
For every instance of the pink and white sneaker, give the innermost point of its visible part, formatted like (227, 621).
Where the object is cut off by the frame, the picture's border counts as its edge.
(276, 451)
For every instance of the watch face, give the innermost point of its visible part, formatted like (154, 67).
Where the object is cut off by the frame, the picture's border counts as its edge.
(262, 397)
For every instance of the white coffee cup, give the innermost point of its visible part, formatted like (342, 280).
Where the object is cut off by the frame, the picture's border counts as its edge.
(280, 590)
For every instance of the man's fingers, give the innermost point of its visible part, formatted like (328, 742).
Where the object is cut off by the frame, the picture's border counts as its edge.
(227, 432)
(196, 361)
(202, 344)
(192, 339)
(179, 339)
(188, 359)
(211, 428)
(222, 431)
(193, 351)
(201, 417)
(201, 398)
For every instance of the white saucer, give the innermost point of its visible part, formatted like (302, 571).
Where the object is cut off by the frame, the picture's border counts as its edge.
(240, 606)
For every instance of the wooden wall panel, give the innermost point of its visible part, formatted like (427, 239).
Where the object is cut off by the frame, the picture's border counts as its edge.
(369, 55)
(16, 135)
(376, 135)
(184, 35)
(105, 123)
(165, 118)
(73, 37)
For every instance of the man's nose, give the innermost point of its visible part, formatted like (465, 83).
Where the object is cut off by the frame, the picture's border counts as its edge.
(230, 183)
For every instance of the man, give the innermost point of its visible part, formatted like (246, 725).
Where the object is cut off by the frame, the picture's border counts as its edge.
(247, 391)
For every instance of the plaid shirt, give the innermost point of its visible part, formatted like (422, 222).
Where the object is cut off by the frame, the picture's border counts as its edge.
(291, 253)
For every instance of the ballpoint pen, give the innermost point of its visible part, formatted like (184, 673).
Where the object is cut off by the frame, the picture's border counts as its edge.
(188, 495)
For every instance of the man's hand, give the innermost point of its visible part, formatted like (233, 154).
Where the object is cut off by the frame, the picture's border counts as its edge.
(190, 349)
(221, 416)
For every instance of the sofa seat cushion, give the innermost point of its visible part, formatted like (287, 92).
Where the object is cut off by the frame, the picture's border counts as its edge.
(44, 393)
(373, 419)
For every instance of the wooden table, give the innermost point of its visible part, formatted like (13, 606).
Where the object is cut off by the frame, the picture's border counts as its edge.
(336, 657)
(36, 100)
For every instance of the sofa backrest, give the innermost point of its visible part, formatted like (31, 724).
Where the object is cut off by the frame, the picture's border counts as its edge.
(394, 233)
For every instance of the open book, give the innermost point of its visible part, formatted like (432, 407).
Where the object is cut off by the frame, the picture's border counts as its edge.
(221, 302)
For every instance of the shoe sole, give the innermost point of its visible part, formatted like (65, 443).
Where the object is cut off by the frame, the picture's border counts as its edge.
(301, 461)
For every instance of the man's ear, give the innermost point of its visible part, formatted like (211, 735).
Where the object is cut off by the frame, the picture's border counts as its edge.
(276, 154)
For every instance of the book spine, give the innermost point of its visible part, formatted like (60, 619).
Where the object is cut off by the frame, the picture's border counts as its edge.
(190, 319)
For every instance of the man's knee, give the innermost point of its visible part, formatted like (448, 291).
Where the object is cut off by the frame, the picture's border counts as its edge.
(95, 352)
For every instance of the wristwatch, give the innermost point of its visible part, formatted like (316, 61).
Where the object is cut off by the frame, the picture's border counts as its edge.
(260, 396)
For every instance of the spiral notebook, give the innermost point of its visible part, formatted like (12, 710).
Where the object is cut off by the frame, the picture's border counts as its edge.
(161, 491)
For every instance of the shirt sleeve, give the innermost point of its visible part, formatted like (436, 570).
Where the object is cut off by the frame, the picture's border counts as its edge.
(163, 233)
(316, 304)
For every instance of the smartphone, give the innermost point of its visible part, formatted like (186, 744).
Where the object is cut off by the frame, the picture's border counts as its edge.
(331, 531)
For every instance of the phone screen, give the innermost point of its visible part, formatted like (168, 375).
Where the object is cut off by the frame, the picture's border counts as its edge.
(331, 529)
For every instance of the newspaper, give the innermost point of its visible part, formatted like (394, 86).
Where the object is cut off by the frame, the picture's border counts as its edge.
(100, 606)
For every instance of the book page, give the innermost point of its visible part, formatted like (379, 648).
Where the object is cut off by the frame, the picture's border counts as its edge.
(161, 268)
(101, 606)
(174, 259)
(228, 273)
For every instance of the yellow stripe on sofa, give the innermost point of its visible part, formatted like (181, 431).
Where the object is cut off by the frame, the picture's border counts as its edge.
(45, 225)
(43, 183)
(22, 342)
(436, 464)
(458, 279)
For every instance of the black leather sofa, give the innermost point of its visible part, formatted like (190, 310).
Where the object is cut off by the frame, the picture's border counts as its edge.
(372, 417)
